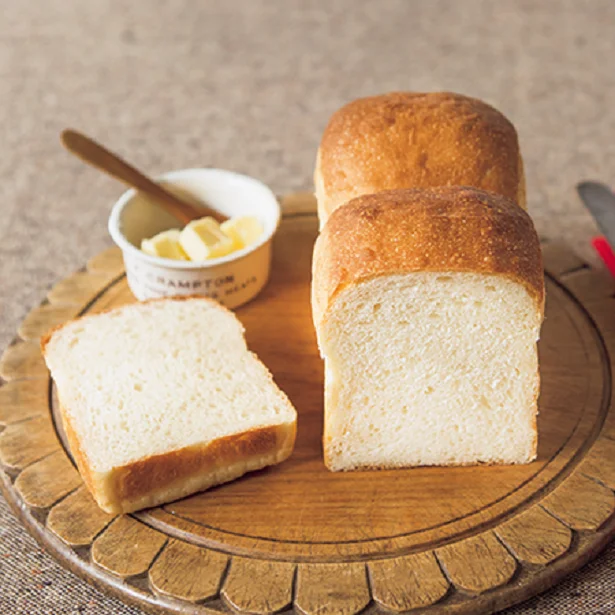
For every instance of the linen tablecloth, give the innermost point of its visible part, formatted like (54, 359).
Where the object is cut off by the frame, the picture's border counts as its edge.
(249, 85)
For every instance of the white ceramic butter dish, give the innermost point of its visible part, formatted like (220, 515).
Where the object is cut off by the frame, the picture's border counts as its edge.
(233, 279)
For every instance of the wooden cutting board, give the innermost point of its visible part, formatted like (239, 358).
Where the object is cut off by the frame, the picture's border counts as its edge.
(296, 538)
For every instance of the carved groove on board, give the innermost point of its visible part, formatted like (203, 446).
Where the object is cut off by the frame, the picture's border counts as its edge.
(188, 572)
(23, 360)
(108, 262)
(599, 463)
(28, 441)
(581, 503)
(23, 399)
(408, 582)
(78, 288)
(77, 519)
(259, 586)
(41, 319)
(48, 480)
(477, 564)
(467, 574)
(332, 589)
(127, 547)
(535, 537)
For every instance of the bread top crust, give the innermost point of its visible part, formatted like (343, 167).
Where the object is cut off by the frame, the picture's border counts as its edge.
(415, 140)
(447, 229)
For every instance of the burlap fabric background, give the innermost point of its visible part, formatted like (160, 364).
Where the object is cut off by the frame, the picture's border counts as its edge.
(248, 85)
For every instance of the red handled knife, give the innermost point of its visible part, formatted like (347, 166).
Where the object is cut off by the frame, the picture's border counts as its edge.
(600, 200)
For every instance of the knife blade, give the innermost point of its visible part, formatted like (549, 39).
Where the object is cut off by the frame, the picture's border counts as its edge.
(600, 200)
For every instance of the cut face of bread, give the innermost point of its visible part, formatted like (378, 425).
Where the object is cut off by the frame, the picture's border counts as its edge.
(427, 305)
(430, 368)
(162, 399)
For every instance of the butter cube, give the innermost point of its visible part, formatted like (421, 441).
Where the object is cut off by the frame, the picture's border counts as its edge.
(244, 230)
(202, 239)
(165, 244)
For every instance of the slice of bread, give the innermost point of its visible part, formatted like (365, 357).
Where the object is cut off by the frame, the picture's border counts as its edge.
(162, 399)
(428, 306)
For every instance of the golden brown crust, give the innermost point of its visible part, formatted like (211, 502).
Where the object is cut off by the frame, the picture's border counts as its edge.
(46, 338)
(162, 478)
(77, 451)
(448, 229)
(157, 472)
(416, 140)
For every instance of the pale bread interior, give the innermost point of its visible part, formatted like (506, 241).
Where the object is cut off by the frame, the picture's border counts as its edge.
(156, 377)
(430, 369)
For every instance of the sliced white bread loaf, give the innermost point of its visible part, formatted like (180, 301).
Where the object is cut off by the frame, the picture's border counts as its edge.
(162, 399)
(428, 306)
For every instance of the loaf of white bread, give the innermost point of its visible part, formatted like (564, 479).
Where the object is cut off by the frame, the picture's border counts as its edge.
(427, 305)
(162, 399)
(416, 140)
